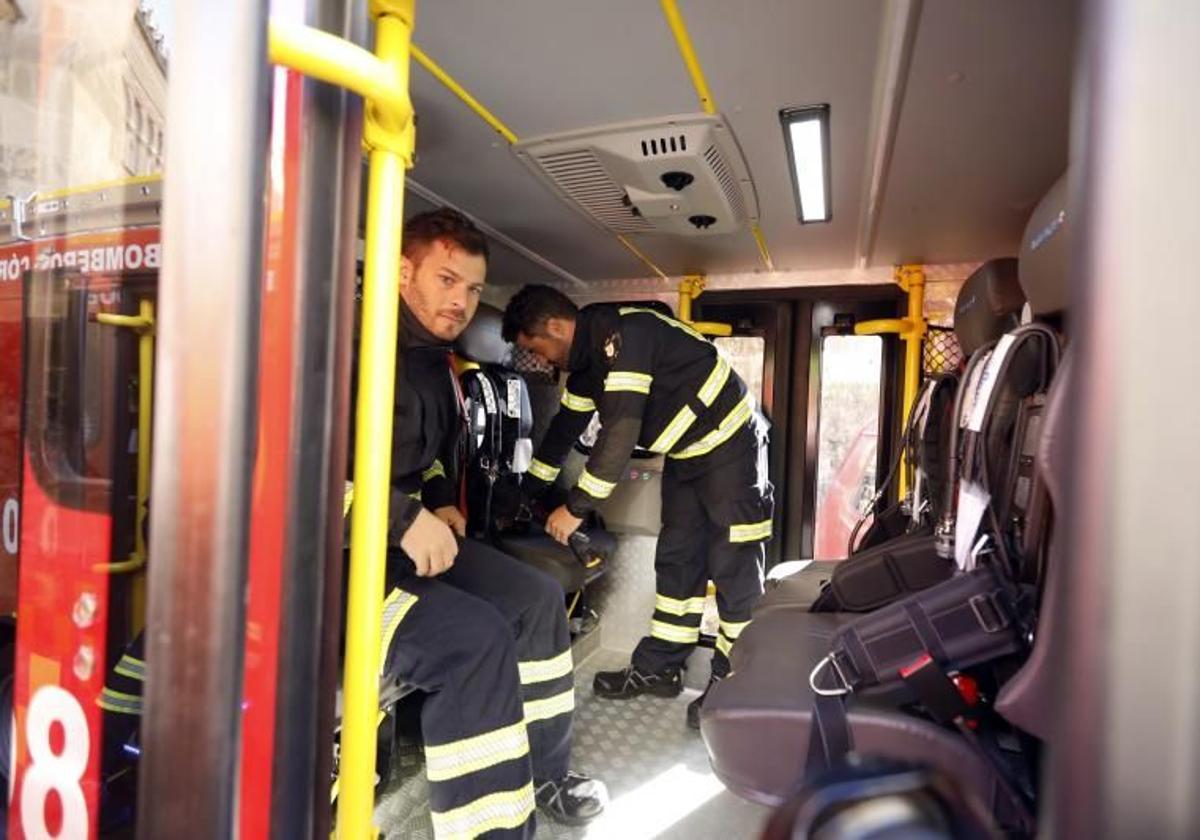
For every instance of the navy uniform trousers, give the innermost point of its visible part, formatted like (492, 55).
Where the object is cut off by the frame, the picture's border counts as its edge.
(488, 642)
(714, 527)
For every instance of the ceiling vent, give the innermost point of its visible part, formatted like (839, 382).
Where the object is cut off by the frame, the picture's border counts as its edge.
(684, 175)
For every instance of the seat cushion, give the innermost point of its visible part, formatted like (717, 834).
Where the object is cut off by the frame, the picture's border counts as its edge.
(558, 561)
(756, 722)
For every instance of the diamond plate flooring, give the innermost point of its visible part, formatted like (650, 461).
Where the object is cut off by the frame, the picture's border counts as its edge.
(659, 780)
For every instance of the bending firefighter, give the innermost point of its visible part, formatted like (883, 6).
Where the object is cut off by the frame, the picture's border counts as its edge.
(482, 634)
(659, 384)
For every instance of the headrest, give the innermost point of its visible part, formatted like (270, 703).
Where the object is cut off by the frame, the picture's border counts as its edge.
(481, 341)
(1045, 251)
(989, 304)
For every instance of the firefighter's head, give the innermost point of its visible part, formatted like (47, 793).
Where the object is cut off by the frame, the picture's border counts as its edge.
(542, 319)
(442, 270)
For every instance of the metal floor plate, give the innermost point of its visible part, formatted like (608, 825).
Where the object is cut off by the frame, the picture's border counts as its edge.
(659, 781)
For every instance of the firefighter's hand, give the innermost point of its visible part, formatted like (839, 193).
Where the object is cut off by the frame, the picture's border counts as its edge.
(562, 524)
(430, 543)
(453, 517)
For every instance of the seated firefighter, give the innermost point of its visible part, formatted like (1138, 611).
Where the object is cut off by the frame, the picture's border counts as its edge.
(482, 634)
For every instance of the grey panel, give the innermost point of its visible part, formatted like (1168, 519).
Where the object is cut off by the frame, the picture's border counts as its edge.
(974, 156)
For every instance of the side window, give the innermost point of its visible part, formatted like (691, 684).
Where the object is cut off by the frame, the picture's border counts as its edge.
(746, 354)
(851, 371)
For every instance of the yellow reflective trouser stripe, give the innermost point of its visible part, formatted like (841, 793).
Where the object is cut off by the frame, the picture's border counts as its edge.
(577, 403)
(674, 606)
(119, 701)
(724, 645)
(733, 421)
(628, 380)
(597, 488)
(631, 310)
(715, 382)
(733, 629)
(129, 666)
(395, 607)
(751, 532)
(543, 670)
(674, 431)
(435, 469)
(347, 498)
(536, 710)
(541, 470)
(469, 755)
(504, 809)
(674, 633)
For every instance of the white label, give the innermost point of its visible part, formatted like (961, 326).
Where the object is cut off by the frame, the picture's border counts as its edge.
(987, 383)
(59, 773)
(11, 526)
(972, 502)
(513, 403)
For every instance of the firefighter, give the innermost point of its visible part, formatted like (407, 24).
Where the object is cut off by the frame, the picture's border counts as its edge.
(659, 384)
(484, 635)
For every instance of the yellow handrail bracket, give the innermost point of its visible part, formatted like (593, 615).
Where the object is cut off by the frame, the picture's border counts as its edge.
(911, 330)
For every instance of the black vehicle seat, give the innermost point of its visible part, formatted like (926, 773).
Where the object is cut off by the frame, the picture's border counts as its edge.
(756, 723)
(491, 358)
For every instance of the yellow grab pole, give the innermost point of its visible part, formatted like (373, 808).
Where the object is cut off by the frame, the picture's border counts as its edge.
(911, 330)
(458, 90)
(690, 288)
(389, 135)
(679, 30)
(143, 324)
(390, 154)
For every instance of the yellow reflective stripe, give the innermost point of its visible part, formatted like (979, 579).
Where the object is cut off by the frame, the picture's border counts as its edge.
(436, 469)
(728, 427)
(752, 532)
(536, 710)
(470, 755)
(628, 380)
(676, 429)
(733, 629)
(129, 666)
(674, 633)
(119, 701)
(541, 470)
(638, 310)
(395, 607)
(674, 606)
(577, 403)
(724, 645)
(542, 670)
(715, 382)
(504, 809)
(597, 488)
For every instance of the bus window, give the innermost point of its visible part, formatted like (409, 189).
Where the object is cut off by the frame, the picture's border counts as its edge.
(746, 354)
(851, 367)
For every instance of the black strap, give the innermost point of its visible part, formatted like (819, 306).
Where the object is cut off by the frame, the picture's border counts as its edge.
(934, 690)
(829, 738)
(924, 628)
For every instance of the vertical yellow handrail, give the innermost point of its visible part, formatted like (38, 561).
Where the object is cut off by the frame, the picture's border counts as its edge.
(143, 325)
(389, 136)
(911, 330)
(690, 288)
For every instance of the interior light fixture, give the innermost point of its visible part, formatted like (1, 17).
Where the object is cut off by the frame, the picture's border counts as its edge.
(806, 135)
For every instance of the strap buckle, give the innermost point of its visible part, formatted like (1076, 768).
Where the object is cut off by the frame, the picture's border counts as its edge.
(841, 690)
(992, 617)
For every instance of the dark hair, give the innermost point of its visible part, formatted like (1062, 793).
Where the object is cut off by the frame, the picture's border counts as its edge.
(531, 307)
(445, 223)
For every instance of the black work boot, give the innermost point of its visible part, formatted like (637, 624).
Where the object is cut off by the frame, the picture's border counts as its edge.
(572, 800)
(693, 709)
(630, 682)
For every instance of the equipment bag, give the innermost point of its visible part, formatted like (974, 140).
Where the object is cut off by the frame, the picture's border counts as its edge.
(880, 575)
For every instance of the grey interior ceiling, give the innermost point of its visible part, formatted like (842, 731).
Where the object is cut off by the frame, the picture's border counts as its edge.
(982, 132)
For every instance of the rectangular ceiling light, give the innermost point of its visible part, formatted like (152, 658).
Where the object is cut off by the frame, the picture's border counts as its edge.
(806, 133)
